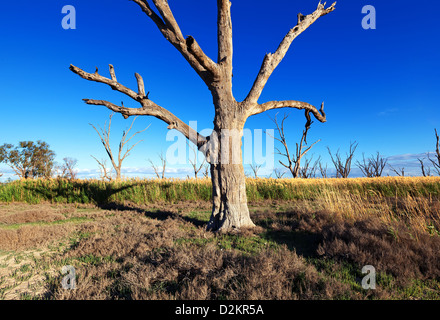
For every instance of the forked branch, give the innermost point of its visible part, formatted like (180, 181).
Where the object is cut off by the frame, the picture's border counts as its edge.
(272, 60)
(188, 47)
(149, 108)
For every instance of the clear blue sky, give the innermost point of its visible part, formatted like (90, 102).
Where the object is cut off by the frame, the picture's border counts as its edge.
(380, 87)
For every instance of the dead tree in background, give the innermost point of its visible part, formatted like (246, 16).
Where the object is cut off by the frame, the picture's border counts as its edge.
(104, 135)
(373, 166)
(308, 171)
(293, 162)
(206, 171)
(322, 169)
(105, 172)
(343, 167)
(163, 162)
(426, 171)
(68, 168)
(255, 168)
(193, 162)
(279, 174)
(399, 171)
(436, 161)
(230, 209)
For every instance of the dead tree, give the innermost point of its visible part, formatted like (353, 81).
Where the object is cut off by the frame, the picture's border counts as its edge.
(308, 170)
(343, 167)
(279, 174)
(322, 169)
(206, 168)
(104, 135)
(426, 171)
(68, 168)
(436, 161)
(373, 166)
(197, 168)
(223, 147)
(255, 168)
(105, 172)
(399, 171)
(293, 162)
(163, 161)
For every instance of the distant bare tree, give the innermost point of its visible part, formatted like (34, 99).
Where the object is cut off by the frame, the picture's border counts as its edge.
(164, 165)
(68, 168)
(373, 166)
(307, 170)
(279, 174)
(343, 167)
(426, 171)
(255, 168)
(322, 169)
(105, 172)
(436, 161)
(206, 169)
(293, 163)
(104, 135)
(193, 161)
(399, 171)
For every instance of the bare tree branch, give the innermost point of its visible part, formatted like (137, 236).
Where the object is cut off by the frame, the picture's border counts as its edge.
(399, 171)
(196, 168)
(225, 47)
(255, 168)
(308, 171)
(156, 169)
(322, 169)
(436, 161)
(206, 169)
(373, 166)
(105, 172)
(259, 108)
(149, 108)
(426, 171)
(279, 174)
(271, 61)
(190, 50)
(343, 167)
(68, 168)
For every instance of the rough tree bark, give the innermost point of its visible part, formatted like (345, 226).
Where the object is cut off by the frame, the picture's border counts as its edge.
(223, 147)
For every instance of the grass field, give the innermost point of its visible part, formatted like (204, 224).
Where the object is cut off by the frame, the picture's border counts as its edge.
(146, 239)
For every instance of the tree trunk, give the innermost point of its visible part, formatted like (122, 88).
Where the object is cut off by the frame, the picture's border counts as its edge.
(229, 201)
(230, 209)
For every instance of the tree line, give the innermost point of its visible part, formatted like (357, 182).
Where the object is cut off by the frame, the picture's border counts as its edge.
(31, 160)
